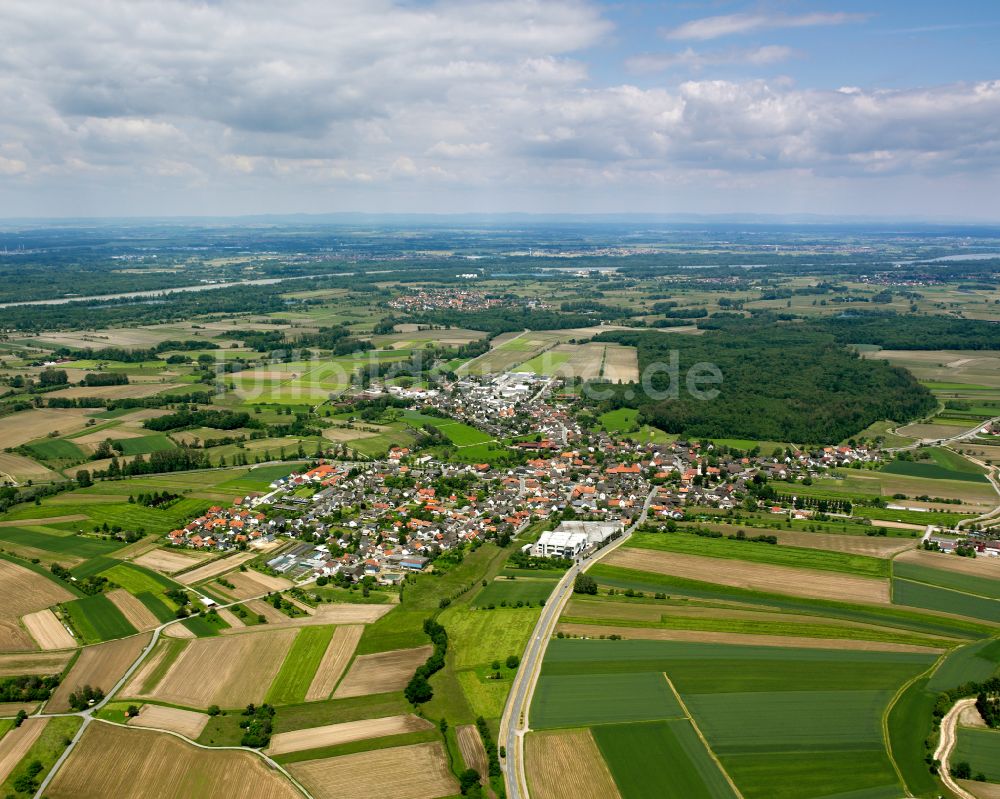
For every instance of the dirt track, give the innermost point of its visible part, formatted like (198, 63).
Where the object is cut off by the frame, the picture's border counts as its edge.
(946, 744)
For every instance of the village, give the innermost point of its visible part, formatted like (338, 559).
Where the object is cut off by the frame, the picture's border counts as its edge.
(381, 519)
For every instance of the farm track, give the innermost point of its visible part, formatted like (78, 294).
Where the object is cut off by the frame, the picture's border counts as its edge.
(946, 745)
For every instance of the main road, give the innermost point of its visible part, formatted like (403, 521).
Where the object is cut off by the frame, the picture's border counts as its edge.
(514, 723)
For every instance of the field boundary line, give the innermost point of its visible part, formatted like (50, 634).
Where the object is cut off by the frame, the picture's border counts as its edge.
(886, 739)
(702, 738)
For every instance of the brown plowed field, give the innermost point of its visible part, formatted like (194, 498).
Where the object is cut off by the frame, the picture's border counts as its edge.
(16, 743)
(215, 568)
(186, 722)
(167, 561)
(33, 663)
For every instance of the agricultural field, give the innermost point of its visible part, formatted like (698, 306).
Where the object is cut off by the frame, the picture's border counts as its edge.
(25, 591)
(419, 771)
(228, 671)
(151, 764)
(566, 764)
(740, 715)
(100, 666)
(980, 748)
(381, 673)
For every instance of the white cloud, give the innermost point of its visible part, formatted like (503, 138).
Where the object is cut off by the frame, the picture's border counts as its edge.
(380, 103)
(695, 60)
(735, 24)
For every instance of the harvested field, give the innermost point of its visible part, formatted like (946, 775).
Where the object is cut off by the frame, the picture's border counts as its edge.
(25, 592)
(566, 765)
(337, 613)
(251, 583)
(974, 567)
(382, 672)
(230, 618)
(145, 677)
(621, 364)
(420, 771)
(128, 391)
(20, 428)
(873, 546)
(186, 722)
(981, 790)
(8, 709)
(48, 630)
(101, 666)
(167, 561)
(338, 654)
(33, 663)
(215, 568)
(152, 765)
(19, 469)
(335, 734)
(16, 743)
(651, 634)
(756, 576)
(227, 671)
(178, 631)
(473, 753)
(137, 614)
(897, 525)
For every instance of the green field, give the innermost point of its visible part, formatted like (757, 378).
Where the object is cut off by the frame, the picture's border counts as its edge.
(623, 420)
(971, 663)
(96, 619)
(54, 449)
(902, 618)
(682, 767)
(137, 580)
(34, 536)
(777, 554)
(525, 590)
(296, 674)
(931, 471)
(785, 722)
(920, 595)
(458, 433)
(143, 445)
(944, 578)
(981, 750)
(580, 700)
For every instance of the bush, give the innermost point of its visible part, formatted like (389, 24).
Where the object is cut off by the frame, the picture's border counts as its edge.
(584, 584)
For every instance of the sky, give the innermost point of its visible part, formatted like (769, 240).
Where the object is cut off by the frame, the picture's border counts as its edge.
(232, 107)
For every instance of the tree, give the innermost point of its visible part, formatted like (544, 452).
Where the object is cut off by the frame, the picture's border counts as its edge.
(132, 711)
(468, 780)
(961, 770)
(83, 478)
(584, 584)
(418, 690)
(514, 660)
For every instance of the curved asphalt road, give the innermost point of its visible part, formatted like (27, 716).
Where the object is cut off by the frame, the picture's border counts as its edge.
(514, 723)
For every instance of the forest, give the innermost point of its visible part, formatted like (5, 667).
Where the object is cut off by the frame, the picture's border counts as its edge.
(782, 383)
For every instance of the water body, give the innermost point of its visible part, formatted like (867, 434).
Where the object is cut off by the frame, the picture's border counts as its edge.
(264, 281)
